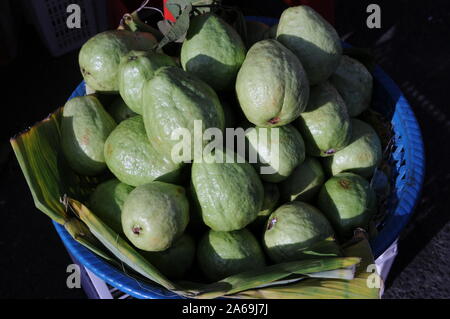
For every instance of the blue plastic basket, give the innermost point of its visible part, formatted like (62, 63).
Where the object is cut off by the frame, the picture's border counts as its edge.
(408, 160)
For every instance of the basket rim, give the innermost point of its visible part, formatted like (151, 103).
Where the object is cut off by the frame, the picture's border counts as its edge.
(393, 225)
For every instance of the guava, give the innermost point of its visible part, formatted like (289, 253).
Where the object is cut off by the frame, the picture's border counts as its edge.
(133, 160)
(155, 215)
(173, 101)
(100, 56)
(120, 111)
(136, 68)
(85, 125)
(304, 182)
(325, 125)
(292, 231)
(271, 85)
(223, 254)
(312, 39)
(107, 202)
(362, 156)
(354, 83)
(256, 31)
(213, 51)
(348, 201)
(279, 151)
(175, 261)
(229, 191)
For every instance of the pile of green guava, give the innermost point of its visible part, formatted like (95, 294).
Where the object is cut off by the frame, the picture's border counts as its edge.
(215, 212)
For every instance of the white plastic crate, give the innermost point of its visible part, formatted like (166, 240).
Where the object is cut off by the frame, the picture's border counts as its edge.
(50, 19)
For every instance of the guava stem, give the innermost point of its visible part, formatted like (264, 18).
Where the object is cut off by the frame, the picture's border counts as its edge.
(345, 183)
(137, 230)
(272, 223)
(130, 24)
(275, 120)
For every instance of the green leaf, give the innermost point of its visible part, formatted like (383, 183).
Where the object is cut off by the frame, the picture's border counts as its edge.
(81, 233)
(314, 289)
(178, 29)
(324, 288)
(325, 248)
(41, 170)
(38, 152)
(273, 273)
(176, 7)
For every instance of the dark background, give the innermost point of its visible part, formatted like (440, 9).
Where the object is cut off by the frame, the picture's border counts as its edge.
(412, 46)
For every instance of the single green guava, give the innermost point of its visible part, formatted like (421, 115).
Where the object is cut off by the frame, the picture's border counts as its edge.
(120, 111)
(348, 201)
(133, 160)
(271, 85)
(155, 215)
(223, 254)
(315, 42)
(362, 156)
(304, 182)
(136, 68)
(325, 125)
(229, 191)
(354, 83)
(173, 101)
(279, 150)
(100, 56)
(213, 51)
(107, 202)
(292, 231)
(85, 125)
(175, 261)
